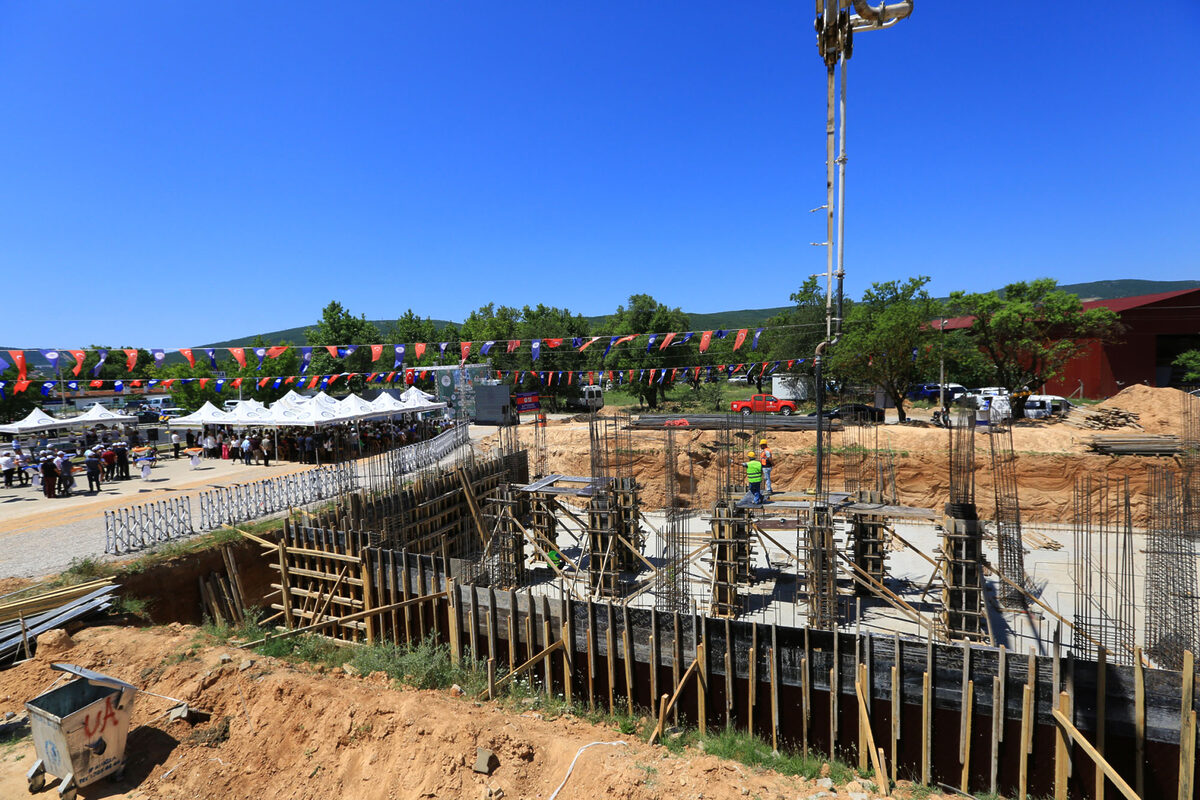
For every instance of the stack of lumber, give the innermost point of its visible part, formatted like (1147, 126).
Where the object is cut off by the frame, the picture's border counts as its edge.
(222, 598)
(1102, 419)
(1039, 541)
(22, 620)
(1135, 445)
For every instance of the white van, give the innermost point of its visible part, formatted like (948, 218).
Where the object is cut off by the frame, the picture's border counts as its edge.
(1041, 406)
(155, 402)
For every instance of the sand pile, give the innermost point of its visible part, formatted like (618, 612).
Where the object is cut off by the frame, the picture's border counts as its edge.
(1159, 409)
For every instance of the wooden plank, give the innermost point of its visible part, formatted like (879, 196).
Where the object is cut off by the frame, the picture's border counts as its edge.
(997, 725)
(654, 654)
(897, 690)
(452, 612)
(964, 721)
(1066, 729)
(368, 594)
(608, 643)
(702, 689)
(627, 646)
(728, 673)
(285, 587)
(667, 703)
(864, 723)
(774, 702)
(358, 615)
(548, 665)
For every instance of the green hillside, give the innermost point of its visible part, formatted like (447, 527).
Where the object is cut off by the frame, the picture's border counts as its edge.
(752, 317)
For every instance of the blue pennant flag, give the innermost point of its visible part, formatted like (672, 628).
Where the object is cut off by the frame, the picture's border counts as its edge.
(103, 355)
(348, 350)
(118, 386)
(186, 381)
(611, 342)
(73, 386)
(150, 384)
(277, 383)
(219, 385)
(158, 355)
(442, 350)
(576, 342)
(720, 334)
(51, 357)
(212, 356)
(399, 357)
(486, 347)
(754, 344)
(47, 388)
(687, 337)
(305, 359)
(4, 365)
(261, 352)
(650, 343)
(537, 348)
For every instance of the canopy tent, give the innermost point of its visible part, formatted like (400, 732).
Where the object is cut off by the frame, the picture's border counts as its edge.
(249, 412)
(413, 392)
(386, 403)
(36, 422)
(308, 416)
(354, 407)
(322, 400)
(99, 415)
(292, 399)
(420, 404)
(207, 414)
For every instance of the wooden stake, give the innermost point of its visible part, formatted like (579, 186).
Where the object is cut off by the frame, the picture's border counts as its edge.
(750, 691)
(627, 646)
(1061, 751)
(804, 702)
(1101, 703)
(864, 724)
(285, 585)
(997, 726)
(969, 707)
(895, 726)
(774, 704)
(491, 678)
(702, 689)
(612, 674)
(926, 726)
(1187, 719)
(1139, 723)
(1026, 740)
(548, 672)
(452, 610)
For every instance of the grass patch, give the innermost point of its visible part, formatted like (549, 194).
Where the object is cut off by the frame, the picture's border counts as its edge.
(754, 752)
(133, 606)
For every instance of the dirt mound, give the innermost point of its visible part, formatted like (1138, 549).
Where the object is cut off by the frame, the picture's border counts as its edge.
(282, 732)
(1159, 409)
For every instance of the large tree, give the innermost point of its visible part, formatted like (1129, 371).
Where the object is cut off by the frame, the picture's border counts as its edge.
(644, 314)
(338, 326)
(887, 340)
(1030, 330)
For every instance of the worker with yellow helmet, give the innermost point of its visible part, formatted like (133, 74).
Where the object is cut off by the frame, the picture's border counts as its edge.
(767, 462)
(754, 476)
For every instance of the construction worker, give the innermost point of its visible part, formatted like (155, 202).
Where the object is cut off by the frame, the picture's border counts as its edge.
(754, 476)
(767, 462)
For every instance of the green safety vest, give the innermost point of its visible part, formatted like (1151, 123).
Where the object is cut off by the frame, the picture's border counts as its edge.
(754, 471)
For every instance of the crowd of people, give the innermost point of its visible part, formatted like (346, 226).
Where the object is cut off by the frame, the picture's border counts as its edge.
(99, 454)
(55, 470)
(311, 446)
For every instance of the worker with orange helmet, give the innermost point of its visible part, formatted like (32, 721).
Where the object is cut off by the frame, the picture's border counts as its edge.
(767, 462)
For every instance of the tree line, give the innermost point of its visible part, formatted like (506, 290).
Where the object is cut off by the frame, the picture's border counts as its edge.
(893, 337)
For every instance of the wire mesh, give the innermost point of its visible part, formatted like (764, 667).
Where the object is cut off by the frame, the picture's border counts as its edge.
(1170, 587)
(1105, 601)
(1008, 515)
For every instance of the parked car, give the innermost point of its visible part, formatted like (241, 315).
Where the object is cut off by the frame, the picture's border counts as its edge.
(853, 411)
(931, 391)
(738, 379)
(763, 404)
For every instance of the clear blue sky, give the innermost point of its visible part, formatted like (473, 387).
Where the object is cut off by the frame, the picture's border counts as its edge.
(178, 173)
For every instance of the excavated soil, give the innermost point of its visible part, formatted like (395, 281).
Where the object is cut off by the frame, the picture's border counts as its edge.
(1051, 455)
(294, 732)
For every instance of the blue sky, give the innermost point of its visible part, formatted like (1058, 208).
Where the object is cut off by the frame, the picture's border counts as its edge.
(179, 173)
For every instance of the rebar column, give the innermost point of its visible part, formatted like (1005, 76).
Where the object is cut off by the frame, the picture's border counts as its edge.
(963, 606)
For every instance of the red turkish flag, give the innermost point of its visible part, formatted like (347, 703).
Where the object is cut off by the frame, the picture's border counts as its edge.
(291, 379)
(652, 371)
(315, 379)
(239, 355)
(673, 371)
(570, 375)
(552, 342)
(592, 378)
(277, 351)
(236, 383)
(790, 362)
(420, 348)
(21, 385)
(261, 382)
(79, 356)
(741, 337)
(332, 348)
(190, 358)
(167, 383)
(18, 357)
(203, 382)
(391, 376)
(376, 352)
(465, 348)
(136, 384)
(705, 340)
(130, 359)
(513, 344)
(408, 376)
(96, 384)
(666, 341)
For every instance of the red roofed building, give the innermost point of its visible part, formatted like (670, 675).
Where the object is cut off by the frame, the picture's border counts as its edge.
(1158, 327)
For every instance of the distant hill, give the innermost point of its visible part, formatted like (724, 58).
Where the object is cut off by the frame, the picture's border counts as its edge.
(751, 317)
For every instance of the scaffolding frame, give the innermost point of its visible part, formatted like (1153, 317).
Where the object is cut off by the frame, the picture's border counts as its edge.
(1105, 601)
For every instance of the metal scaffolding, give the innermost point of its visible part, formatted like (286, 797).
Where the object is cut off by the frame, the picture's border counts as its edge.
(1105, 601)
(672, 590)
(1171, 605)
(963, 609)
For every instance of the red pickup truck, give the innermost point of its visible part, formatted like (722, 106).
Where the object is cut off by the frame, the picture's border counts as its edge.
(764, 404)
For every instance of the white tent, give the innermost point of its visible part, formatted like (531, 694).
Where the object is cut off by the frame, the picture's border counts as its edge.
(208, 414)
(292, 399)
(413, 392)
(98, 414)
(307, 415)
(249, 412)
(322, 400)
(36, 422)
(420, 404)
(355, 407)
(386, 403)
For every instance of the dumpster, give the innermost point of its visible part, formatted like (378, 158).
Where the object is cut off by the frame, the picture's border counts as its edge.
(79, 730)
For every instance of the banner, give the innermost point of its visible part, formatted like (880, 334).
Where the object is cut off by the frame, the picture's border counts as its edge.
(130, 359)
(527, 401)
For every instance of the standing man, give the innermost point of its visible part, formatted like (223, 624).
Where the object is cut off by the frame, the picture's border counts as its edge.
(175, 442)
(92, 464)
(49, 474)
(767, 463)
(754, 476)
